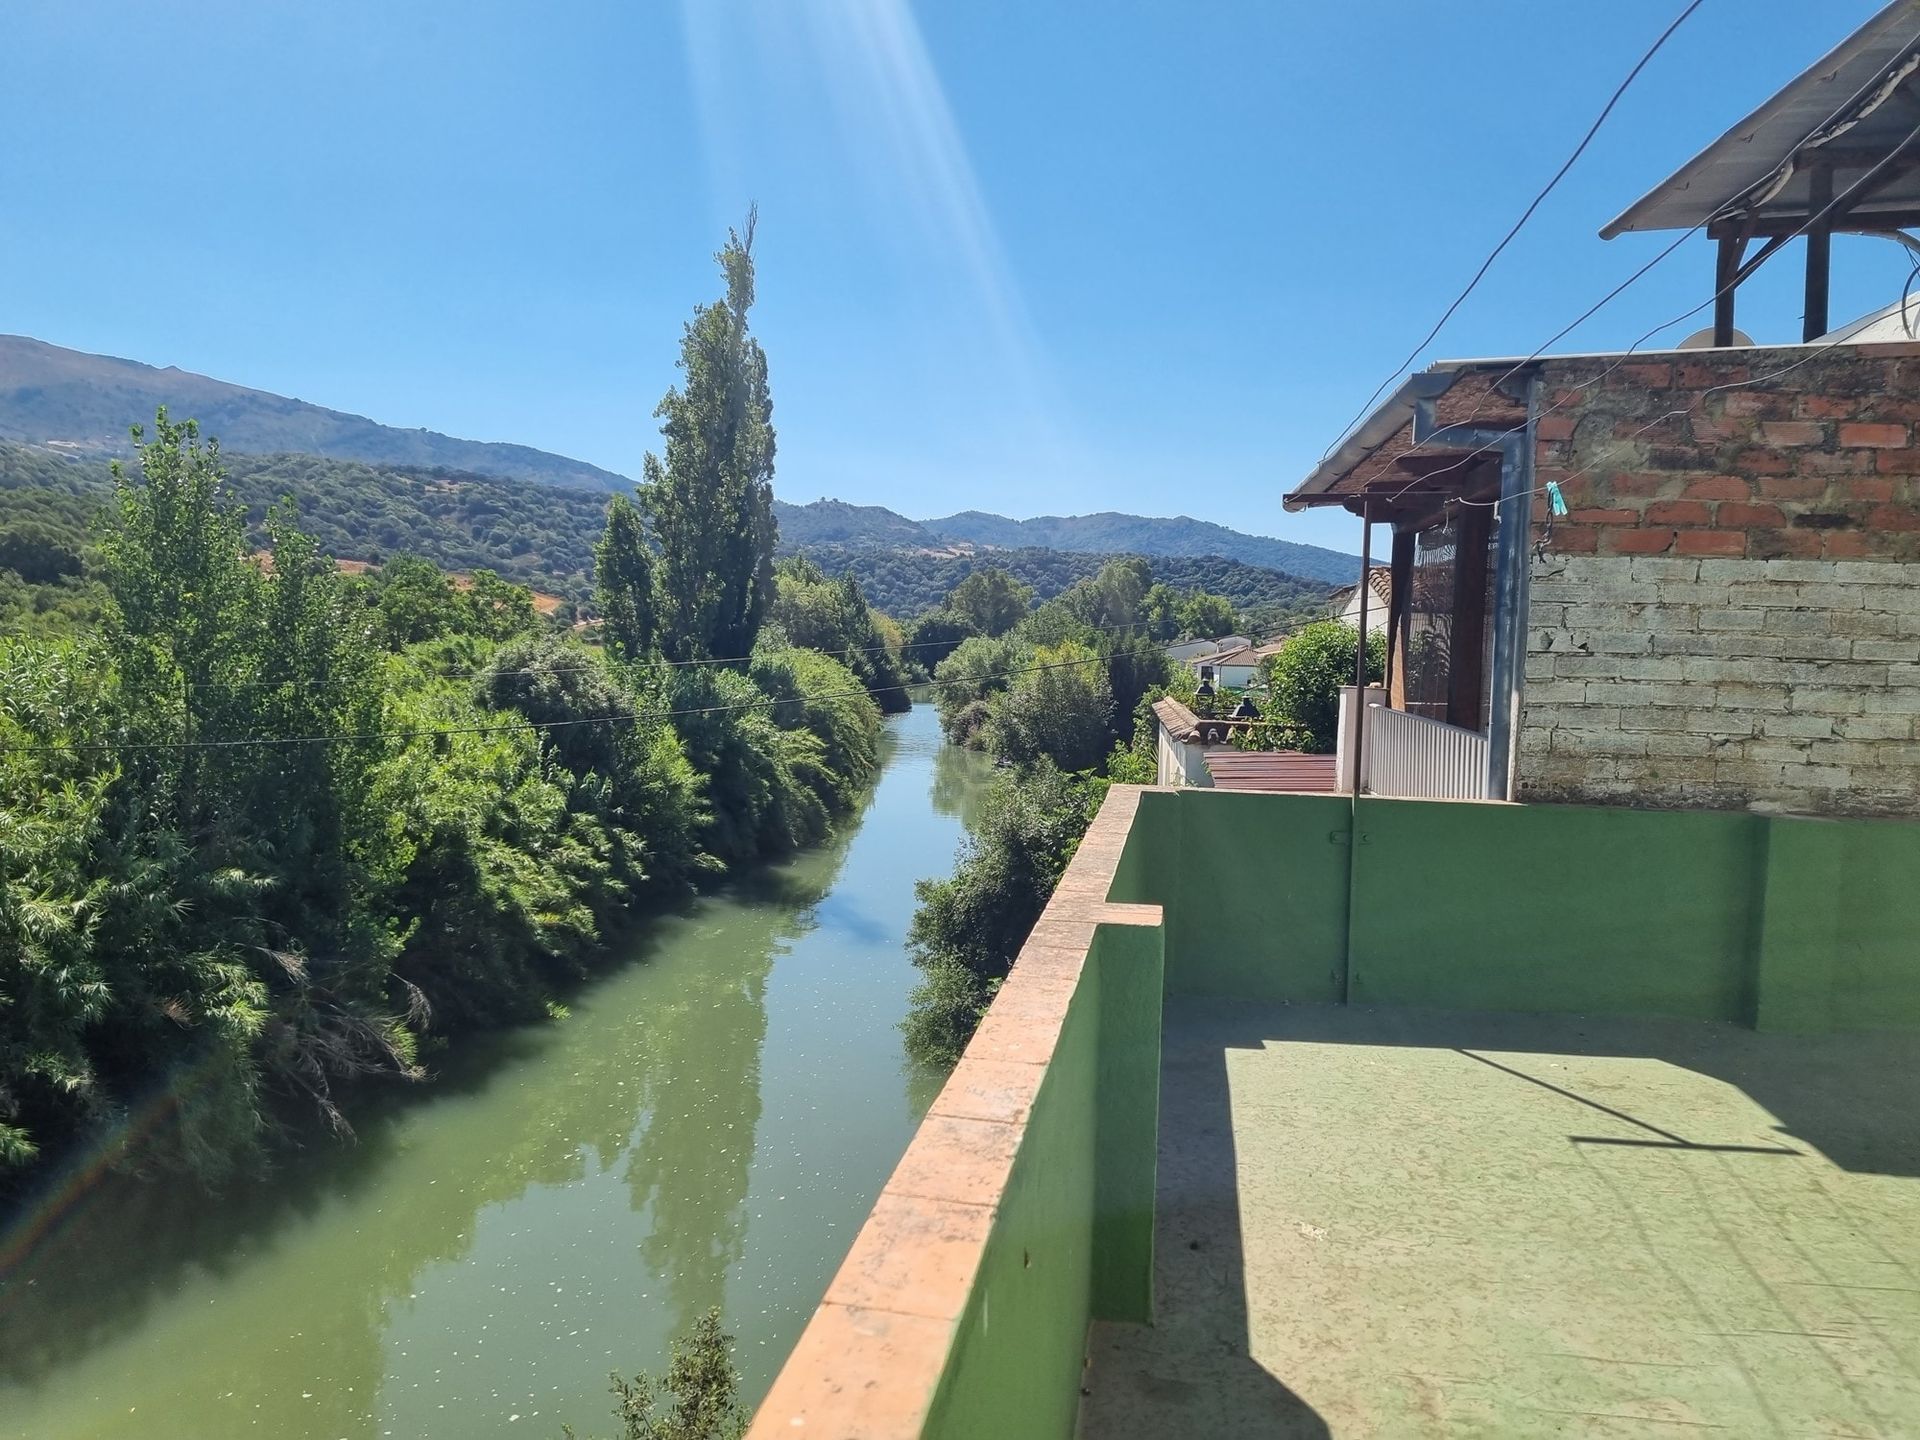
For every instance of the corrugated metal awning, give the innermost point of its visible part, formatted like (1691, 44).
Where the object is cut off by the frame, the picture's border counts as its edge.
(1762, 168)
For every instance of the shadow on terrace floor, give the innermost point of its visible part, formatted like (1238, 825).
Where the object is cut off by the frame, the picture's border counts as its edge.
(1431, 1223)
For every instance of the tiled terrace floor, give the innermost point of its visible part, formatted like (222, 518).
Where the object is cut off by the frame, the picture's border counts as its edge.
(1403, 1223)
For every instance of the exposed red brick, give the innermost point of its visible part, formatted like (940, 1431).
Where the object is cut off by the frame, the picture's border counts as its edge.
(1574, 539)
(1894, 517)
(1878, 436)
(1845, 544)
(1792, 432)
(1695, 375)
(1711, 542)
(1758, 460)
(1717, 487)
(1865, 488)
(1792, 487)
(1838, 462)
(1604, 517)
(1554, 427)
(1897, 462)
(1783, 544)
(1754, 403)
(1653, 376)
(1679, 512)
(1639, 484)
(1826, 407)
(1637, 542)
(1721, 427)
(1743, 516)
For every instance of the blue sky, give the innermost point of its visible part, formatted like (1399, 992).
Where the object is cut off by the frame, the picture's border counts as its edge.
(1025, 258)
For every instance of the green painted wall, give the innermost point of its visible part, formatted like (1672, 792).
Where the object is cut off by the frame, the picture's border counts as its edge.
(1255, 892)
(1073, 1238)
(1840, 931)
(1555, 907)
(1780, 922)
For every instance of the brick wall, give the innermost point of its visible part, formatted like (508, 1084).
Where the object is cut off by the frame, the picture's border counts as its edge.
(1730, 614)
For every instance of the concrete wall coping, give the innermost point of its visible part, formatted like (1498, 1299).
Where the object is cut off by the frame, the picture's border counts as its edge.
(871, 1359)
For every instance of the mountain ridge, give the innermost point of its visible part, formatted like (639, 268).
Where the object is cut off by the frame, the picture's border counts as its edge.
(79, 403)
(1107, 532)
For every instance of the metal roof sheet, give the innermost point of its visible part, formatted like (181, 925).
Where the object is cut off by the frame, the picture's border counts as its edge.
(1270, 770)
(1750, 168)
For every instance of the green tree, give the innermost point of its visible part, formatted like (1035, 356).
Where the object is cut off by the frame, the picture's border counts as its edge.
(991, 601)
(1206, 616)
(1058, 711)
(935, 636)
(970, 927)
(697, 1399)
(1305, 677)
(623, 582)
(710, 502)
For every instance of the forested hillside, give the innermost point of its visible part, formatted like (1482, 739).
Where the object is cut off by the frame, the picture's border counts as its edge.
(542, 536)
(49, 394)
(1111, 533)
(907, 583)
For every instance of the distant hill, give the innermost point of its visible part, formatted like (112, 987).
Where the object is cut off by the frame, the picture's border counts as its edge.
(83, 404)
(907, 582)
(834, 522)
(1110, 533)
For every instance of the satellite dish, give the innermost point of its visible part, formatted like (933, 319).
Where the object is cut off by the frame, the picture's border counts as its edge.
(1703, 340)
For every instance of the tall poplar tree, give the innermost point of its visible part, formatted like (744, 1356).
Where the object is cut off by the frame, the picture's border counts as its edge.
(623, 582)
(710, 501)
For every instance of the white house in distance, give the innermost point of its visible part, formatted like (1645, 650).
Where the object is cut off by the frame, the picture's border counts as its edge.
(1344, 603)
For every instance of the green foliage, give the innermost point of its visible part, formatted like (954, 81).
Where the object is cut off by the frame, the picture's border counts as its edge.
(833, 616)
(416, 602)
(272, 830)
(1207, 616)
(977, 670)
(1305, 677)
(710, 502)
(623, 582)
(1060, 711)
(991, 601)
(970, 927)
(697, 1399)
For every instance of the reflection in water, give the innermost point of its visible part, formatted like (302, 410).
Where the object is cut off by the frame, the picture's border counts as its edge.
(707, 1128)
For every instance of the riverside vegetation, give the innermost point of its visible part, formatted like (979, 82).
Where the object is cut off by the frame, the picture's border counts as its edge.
(1061, 695)
(268, 831)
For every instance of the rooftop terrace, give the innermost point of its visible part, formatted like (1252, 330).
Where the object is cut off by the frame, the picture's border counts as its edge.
(1301, 1115)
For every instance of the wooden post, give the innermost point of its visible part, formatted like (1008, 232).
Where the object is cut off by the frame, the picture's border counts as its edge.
(1399, 618)
(1726, 273)
(1366, 592)
(1466, 666)
(1813, 323)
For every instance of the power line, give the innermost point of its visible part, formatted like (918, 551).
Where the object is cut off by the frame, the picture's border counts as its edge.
(1518, 225)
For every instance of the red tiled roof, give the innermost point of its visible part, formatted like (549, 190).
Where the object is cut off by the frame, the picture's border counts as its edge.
(1286, 770)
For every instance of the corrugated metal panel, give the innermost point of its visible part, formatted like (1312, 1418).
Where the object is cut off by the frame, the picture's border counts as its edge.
(1270, 770)
(1760, 144)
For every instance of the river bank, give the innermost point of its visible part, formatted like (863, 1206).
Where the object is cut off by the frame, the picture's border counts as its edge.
(701, 1130)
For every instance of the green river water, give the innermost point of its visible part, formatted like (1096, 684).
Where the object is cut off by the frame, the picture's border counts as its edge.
(708, 1127)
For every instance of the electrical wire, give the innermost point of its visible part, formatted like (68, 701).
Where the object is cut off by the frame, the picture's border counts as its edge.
(1518, 225)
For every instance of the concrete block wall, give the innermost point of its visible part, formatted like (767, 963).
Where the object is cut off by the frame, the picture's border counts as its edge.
(1730, 614)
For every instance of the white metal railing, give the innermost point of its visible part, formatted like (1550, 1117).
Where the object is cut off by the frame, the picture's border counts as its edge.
(1416, 758)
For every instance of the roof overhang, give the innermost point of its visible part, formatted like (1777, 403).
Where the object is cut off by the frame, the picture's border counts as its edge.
(1380, 462)
(1843, 115)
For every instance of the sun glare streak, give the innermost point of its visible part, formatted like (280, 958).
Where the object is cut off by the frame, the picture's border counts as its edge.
(869, 62)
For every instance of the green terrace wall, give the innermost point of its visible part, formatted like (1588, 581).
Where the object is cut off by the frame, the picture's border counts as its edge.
(1778, 922)
(1072, 1239)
